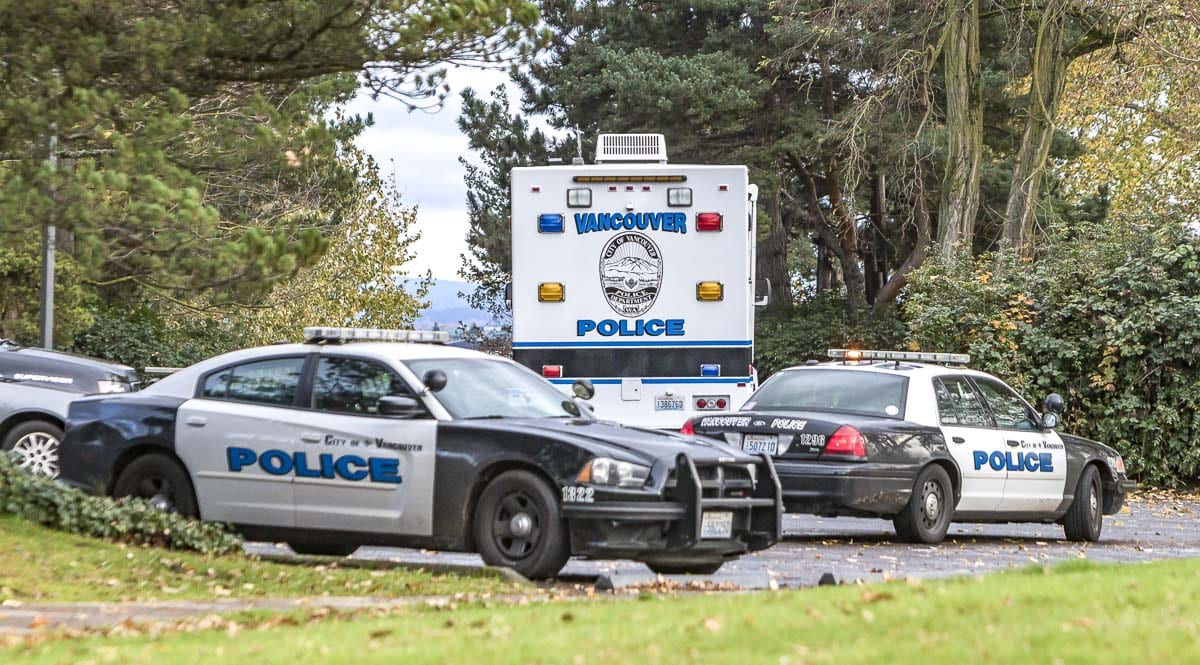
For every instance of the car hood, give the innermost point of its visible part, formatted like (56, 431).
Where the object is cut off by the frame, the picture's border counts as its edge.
(1097, 448)
(611, 439)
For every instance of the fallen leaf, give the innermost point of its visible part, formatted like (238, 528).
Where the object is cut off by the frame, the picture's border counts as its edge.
(712, 624)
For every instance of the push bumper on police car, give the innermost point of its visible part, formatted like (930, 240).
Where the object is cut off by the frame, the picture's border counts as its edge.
(693, 511)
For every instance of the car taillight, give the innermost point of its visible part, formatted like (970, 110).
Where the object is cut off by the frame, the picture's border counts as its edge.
(846, 442)
(687, 428)
(709, 221)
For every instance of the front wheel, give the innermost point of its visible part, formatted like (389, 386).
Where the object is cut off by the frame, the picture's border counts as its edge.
(1085, 517)
(34, 444)
(699, 568)
(518, 525)
(926, 517)
(159, 480)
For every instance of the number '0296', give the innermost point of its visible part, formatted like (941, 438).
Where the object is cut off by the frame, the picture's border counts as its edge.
(574, 494)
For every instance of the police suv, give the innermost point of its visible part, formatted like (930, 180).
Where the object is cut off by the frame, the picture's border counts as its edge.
(897, 435)
(36, 387)
(637, 275)
(330, 445)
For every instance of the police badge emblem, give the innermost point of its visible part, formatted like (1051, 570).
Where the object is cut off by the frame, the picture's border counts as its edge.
(631, 271)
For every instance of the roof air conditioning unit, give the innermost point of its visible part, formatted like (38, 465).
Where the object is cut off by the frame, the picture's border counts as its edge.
(650, 148)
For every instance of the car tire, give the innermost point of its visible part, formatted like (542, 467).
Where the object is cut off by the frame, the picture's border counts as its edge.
(926, 517)
(34, 444)
(1085, 518)
(323, 549)
(161, 481)
(518, 525)
(698, 568)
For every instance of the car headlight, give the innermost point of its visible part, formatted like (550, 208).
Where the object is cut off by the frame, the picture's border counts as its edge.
(605, 471)
(112, 386)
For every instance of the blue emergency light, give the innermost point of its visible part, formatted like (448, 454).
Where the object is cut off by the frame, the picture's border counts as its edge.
(550, 223)
(710, 370)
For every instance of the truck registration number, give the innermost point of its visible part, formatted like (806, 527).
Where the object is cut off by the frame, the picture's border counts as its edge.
(668, 403)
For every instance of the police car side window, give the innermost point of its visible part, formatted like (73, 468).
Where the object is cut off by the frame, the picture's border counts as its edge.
(352, 385)
(272, 381)
(958, 404)
(1010, 411)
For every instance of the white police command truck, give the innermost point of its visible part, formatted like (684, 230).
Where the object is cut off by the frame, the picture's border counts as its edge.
(638, 275)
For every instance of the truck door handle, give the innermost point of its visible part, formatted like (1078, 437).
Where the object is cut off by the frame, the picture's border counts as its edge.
(310, 437)
(958, 439)
(1012, 443)
(196, 421)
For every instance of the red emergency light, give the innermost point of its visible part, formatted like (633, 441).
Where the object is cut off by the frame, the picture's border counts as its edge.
(552, 371)
(709, 221)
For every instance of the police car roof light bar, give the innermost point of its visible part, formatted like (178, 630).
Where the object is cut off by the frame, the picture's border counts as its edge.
(910, 356)
(314, 335)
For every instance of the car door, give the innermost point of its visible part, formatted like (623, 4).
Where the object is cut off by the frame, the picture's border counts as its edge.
(967, 426)
(236, 438)
(389, 460)
(1036, 460)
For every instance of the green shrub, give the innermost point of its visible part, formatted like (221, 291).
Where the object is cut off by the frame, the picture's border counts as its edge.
(1109, 317)
(45, 501)
(790, 336)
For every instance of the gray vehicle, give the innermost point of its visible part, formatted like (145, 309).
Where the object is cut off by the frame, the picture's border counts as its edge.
(36, 387)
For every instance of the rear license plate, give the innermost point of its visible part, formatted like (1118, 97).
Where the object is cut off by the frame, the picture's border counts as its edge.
(716, 525)
(761, 443)
(668, 403)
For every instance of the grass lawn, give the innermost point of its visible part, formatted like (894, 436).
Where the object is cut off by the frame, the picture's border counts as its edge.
(1074, 613)
(40, 564)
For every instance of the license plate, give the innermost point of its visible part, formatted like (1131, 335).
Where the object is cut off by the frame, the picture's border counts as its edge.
(761, 443)
(716, 525)
(667, 403)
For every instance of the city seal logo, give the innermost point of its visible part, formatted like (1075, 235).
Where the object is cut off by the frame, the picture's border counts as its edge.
(631, 270)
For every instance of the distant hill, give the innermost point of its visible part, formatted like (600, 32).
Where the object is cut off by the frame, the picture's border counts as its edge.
(447, 308)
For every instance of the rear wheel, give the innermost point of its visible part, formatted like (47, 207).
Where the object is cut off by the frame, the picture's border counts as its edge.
(323, 549)
(1085, 518)
(34, 444)
(699, 568)
(159, 480)
(926, 518)
(518, 525)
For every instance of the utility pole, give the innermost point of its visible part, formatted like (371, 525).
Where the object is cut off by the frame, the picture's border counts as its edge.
(48, 238)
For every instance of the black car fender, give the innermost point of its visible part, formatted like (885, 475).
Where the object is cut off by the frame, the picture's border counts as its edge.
(105, 434)
(914, 445)
(1080, 453)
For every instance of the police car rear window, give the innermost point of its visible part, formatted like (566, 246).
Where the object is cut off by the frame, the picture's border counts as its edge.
(267, 382)
(841, 391)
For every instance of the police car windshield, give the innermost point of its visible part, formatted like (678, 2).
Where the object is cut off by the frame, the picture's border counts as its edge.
(842, 391)
(479, 388)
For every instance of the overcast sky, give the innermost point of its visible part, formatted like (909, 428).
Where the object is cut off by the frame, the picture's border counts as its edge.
(422, 149)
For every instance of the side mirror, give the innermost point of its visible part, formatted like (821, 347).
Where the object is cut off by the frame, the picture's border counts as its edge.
(583, 389)
(434, 379)
(394, 405)
(1054, 403)
(586, 409)
(762, 292)
(508, 296)
(1049, 420)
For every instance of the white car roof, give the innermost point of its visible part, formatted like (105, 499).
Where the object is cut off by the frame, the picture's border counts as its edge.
(183, 383)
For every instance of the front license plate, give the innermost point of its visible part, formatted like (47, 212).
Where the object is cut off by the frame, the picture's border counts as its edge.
(761, 443)
(668, 403)
(716, 525)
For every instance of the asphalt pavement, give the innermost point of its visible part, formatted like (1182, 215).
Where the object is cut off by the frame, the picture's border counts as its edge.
(1152, 526)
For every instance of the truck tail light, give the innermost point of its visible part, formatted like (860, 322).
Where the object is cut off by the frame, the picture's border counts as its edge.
(847, 443)
(551, 292)
(710, 402)
(550, 223)
(710, 291)
(709, 221)
(552, 371)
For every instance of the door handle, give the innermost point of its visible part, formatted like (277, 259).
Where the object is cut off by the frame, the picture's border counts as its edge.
(958, 439)
(1012, 443)
(196, 421)
(310, 437)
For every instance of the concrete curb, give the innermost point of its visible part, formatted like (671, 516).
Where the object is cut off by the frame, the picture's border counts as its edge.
(464, 570)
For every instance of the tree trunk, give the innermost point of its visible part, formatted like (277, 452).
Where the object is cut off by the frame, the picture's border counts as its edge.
(964, 127)
(771, 257)
(1046, 82)
(875, 253)
(920, 206)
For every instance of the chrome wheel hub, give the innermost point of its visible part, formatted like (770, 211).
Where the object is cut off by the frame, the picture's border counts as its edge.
(37, 452)
(932, 507)
(521, 525)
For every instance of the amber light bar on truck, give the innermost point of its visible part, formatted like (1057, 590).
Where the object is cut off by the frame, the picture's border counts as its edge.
(629, 178)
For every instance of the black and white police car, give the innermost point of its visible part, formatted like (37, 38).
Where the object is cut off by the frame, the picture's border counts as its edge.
(36, 388)
(330, 445)
(914, 438)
